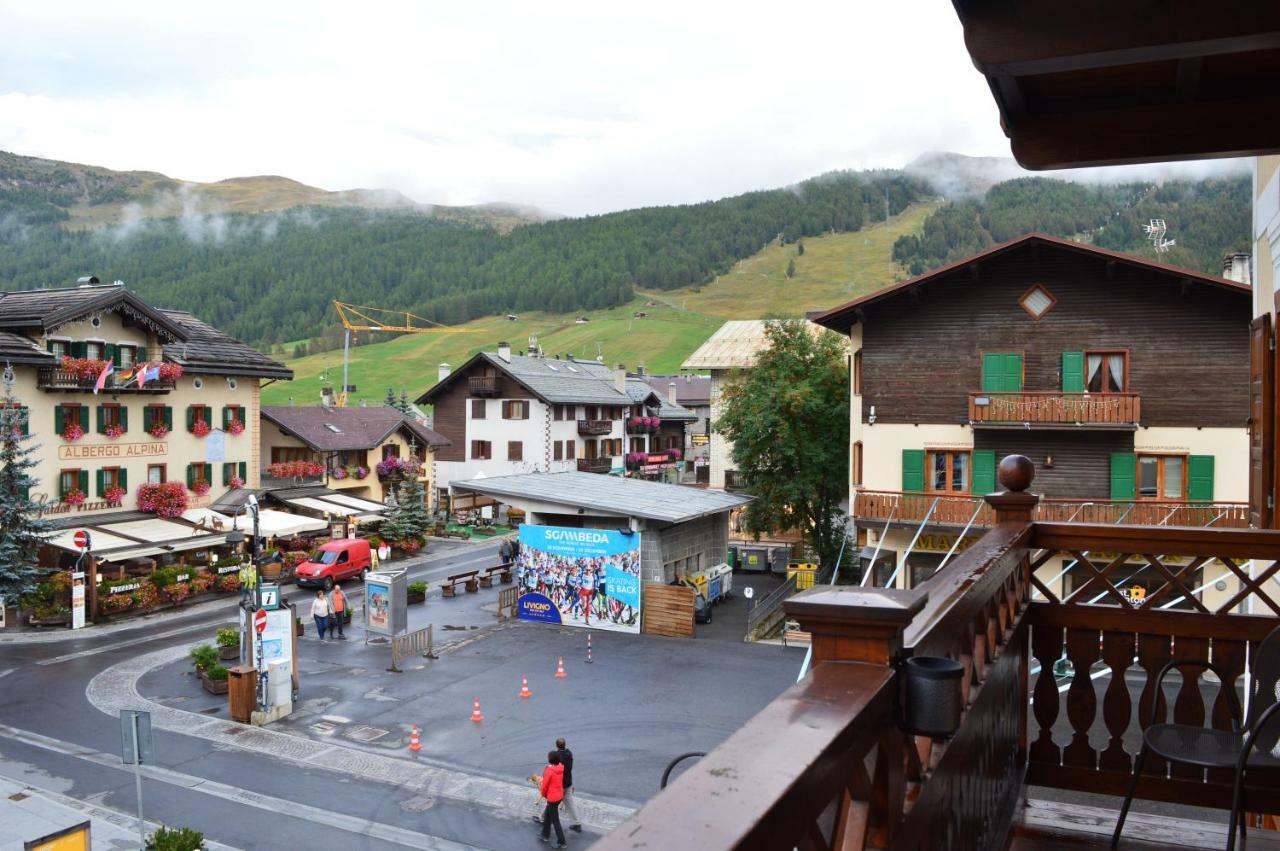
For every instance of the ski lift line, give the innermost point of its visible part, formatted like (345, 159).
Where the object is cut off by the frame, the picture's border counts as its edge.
(919, 529)
(960, 537)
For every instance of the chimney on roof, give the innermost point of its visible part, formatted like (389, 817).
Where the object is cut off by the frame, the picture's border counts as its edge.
(620, 378)
(671, 393)
(444, 370)
(504, 351)
(640, 369)
(1235, 267)
(535, 351)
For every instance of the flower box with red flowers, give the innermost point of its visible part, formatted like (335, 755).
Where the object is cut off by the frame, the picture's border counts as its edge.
(200, 488)
(236, 482)
(114, 495)
(75, 496)
(200, 428)
(235, 427)
(159, 432)
(113, 431)
(72, 433)
(164, 499)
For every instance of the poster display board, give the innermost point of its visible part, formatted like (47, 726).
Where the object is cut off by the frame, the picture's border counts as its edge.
(579, 577)
(77, 600)
(386, 603)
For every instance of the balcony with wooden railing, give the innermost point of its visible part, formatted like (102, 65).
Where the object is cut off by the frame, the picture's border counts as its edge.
(54, 379)
(1055, 410)
(484, 386)
(595, 465)
(941, 509)
(831, 763)
(592, 427)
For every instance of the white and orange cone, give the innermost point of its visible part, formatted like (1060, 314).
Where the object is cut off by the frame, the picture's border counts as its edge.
(475, 712)
(524, 687)
(560, 674)
(414, 744)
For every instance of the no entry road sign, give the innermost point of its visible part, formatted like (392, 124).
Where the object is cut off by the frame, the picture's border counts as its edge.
(260, 621)
(81, 539)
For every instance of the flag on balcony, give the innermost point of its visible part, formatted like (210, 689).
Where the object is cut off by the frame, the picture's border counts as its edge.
(102, 376)
(147, 372)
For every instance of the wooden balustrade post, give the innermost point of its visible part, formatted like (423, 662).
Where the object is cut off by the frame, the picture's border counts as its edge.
(851, 624)
(1014, 504)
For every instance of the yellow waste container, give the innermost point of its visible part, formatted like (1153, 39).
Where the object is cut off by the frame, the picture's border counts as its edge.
(803, 571)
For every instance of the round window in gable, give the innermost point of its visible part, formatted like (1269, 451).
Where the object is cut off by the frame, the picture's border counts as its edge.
(231, 383)
(96, 322)
(1037, 301)
(197, 383)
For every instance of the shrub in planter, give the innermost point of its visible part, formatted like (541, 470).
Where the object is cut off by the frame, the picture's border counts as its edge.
(201, 582)
(205, 656)
(227, 584)
(409, 546)
(114, 604)
(175, 839)
(147, 597)
(416, 592)
(228, 644)
(215, 679)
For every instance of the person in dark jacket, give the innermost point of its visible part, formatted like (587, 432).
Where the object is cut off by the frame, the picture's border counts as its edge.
(553, 791)
(566, 759)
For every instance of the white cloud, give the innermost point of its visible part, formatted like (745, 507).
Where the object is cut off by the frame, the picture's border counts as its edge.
(575, 108)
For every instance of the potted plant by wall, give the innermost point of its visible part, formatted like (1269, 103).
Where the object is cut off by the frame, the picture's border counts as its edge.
(416, 592)
(175, 839)
(228, 644)
(204, 656)
(215, 680)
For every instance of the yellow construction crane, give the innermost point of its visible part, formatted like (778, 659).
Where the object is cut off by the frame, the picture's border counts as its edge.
(357, 317)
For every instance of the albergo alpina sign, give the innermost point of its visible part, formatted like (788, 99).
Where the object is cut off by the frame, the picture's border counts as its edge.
(78, 452)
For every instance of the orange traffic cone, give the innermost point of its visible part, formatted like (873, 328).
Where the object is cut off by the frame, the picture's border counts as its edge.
(524, 687)
(414, 744)
(475, 712)
(560, 674)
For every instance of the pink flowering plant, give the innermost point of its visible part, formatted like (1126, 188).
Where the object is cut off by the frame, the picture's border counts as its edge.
(200, 429)
(159, 431)
(75, 496)
(164, 499)
(113, 431)
(114, 495)
(200, 488)
(339, 472)
(235, 427)
(72, 433)
(236, 482)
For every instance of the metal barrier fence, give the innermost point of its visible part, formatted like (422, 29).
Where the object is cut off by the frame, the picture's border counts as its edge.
(411, 643)
(507, 602)
(766, 613)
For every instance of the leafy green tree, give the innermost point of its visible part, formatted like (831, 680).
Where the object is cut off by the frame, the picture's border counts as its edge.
(20, 525)
(791, 268)
(788, 419)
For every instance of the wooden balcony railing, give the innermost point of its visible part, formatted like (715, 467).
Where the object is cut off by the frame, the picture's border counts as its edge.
(51, 378)
(595, 465)
(595, 426)
(1054, 408)
(484, 386)
(958, 510)
(827, 765)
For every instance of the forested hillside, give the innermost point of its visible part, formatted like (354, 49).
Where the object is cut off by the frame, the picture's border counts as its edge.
(1206, 218)
(269, 278)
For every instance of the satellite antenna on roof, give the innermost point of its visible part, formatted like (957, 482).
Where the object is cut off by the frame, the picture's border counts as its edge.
(1155, 231)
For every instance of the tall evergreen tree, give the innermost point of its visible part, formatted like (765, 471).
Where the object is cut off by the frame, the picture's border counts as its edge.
(403, 405)
(788, 419)
(791, 268)
(413, 502)
(390, 401)
(20, 525)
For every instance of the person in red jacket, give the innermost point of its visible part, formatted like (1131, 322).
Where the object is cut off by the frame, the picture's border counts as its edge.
(553, 792)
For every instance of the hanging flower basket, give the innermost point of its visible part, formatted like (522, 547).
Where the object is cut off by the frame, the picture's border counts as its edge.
(159, 432)
(200, 429)
(235, 427)
(164, 499)
(75, 496)
(360, 473)
(339, 472)
(113, 431)
(170, 371)
(72, 433)
(200, 488)
(114, 495)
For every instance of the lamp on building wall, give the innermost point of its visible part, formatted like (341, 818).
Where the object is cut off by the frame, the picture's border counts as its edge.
(871, 417)
(1048, 461)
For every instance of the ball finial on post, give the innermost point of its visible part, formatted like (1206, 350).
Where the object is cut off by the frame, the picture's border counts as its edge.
(1015, 473)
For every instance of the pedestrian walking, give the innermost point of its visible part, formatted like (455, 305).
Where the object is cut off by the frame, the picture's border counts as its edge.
(553, 791)
(566, 759)
(320, 611)
(339, 612)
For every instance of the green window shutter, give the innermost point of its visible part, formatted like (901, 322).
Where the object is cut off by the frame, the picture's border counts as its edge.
(124, 478)
(191, 417)
(208, 474)
(84, 481)
(984, 471)
(109, 352)
(226, 417)
(1073, 372)
(59, 419)
(208, 415)
(48, 345)
(228, 472)
(191, 475)
(1200, 478)
(101, 477)
(142, 354)
(992, 372)
(244, 471)
(1013, 373)
(102, 419)
(124, 418)
(84, 418)
(1123, 469)
(913, 470)
(168, 417)
(78, 349)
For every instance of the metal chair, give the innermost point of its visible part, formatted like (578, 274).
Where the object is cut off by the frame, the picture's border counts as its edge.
(1253, 747)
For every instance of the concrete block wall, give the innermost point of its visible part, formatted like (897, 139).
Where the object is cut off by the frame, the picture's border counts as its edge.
(707, 537)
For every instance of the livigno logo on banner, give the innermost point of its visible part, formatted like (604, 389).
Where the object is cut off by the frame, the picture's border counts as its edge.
(579, 577)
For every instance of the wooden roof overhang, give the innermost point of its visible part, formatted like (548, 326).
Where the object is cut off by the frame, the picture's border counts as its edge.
(1100, 82)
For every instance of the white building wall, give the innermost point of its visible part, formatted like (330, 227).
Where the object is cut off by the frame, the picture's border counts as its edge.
(883, 444)
(1228, 446)
(721, 449)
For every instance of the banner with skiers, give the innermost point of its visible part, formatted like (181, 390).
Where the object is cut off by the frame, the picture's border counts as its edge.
(579, 577)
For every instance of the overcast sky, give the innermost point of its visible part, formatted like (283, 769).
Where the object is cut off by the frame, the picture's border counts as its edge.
(572, 107)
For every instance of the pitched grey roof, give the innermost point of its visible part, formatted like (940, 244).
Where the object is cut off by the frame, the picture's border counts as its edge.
(42, 310)
(207, 350)
(554, 381)
(15, 348)
(613, 494)
(336, 429)
(691, 390)
(640, 391)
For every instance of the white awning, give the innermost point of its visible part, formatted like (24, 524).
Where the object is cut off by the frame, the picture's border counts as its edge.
(280, 524)
(100, 540)
(323, 505)
(354, 502)
(373, 515)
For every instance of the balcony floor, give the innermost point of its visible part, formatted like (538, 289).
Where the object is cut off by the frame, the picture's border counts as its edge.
(1051, 825)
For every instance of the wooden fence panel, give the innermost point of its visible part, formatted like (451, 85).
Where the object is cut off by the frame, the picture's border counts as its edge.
(667, 610)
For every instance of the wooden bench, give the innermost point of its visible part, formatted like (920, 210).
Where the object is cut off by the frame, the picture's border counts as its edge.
(486, 578)
(448, 588)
